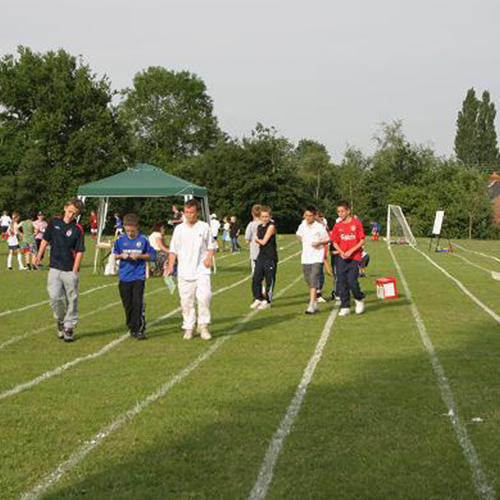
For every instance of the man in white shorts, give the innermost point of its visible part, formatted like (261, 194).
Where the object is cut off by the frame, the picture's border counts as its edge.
(193, 247)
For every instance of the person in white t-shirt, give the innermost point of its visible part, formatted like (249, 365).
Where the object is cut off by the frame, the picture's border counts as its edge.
(251, 235)
(13, 236)
(193, 247)
(5, 221)
(215, 227)
(314, 237)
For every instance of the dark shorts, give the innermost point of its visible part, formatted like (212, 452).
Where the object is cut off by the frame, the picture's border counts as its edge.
(312, 274)
(4, 229)
(13, 247)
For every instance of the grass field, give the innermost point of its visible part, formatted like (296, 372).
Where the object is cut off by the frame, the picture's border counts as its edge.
(402, 402)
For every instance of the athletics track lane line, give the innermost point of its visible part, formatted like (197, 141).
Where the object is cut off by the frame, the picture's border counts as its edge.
(32, 306)
(17, 338)
(484, 490)
(476, 252)
(87, 447)
(489, 271)
(265, 476)
(89, 357)
(462, 287)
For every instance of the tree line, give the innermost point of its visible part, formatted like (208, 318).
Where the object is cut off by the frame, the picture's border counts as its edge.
(62, 126)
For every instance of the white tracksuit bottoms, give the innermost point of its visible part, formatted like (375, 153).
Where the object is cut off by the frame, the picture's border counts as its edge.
(192, 292)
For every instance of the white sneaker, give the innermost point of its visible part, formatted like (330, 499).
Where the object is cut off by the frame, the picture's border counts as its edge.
(264, 305)
(344, 311)
(188, 335)
(311, 310)
(255, 304)
(204, 333)
(321, 300)
(360, 306)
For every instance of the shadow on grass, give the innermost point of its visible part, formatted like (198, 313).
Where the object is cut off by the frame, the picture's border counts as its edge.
(377, 430)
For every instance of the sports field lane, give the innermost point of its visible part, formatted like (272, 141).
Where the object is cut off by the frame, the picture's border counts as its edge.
(41, 352)
(468, 341)
(46, 423)
(371, 425)
(205, 439)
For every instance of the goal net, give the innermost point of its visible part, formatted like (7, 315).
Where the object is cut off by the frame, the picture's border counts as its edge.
(398, 229)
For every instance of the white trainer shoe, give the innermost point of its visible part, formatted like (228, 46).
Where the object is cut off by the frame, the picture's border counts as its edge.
(321, 300)
(360, 306)
(188, 335)
(344, 311)
(264, 305)
(255, 304)
(204, 333)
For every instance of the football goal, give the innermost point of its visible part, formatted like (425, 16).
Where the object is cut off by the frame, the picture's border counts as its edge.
(398, 229)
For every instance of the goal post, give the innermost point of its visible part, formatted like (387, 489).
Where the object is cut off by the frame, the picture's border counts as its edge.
(398, 229)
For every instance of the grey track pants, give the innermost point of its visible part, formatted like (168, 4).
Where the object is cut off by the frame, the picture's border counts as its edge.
(63, 293)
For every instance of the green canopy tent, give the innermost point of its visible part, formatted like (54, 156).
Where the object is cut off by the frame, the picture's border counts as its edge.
(140, 181)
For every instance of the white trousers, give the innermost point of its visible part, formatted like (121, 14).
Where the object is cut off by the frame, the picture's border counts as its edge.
(192, 292)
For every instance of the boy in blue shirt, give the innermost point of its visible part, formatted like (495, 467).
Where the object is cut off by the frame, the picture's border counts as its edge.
(133, 249)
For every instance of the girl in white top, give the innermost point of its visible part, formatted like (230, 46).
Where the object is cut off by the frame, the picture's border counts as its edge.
(192, 245)
(13, 242)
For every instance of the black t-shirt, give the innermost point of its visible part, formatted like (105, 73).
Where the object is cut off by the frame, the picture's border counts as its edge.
(268, 251)
(234, 229)
(66, 240)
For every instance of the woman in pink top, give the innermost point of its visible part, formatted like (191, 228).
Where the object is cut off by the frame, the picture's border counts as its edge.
(40, 226)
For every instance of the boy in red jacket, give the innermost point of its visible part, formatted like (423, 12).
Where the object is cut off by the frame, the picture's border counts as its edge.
(348, 239)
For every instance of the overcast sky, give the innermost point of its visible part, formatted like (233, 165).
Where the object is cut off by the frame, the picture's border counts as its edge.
(321, 69)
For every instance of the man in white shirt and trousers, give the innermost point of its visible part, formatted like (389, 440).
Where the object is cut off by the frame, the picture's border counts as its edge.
(193, 246)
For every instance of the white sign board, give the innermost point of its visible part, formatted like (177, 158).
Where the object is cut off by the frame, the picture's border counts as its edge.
(438, 222)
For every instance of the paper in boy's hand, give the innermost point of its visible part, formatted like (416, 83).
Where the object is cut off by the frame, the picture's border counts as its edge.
(170, 283)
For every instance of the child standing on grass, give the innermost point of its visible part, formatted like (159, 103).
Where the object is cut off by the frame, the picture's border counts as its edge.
(133, 249)
(30, 249)
(13, 243)
(193, 247)
(267, 261)
(251, 236)
(314, 237)
(348, 239)
(67, 244)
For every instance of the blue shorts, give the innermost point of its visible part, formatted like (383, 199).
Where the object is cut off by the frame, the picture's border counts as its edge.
(13, 247)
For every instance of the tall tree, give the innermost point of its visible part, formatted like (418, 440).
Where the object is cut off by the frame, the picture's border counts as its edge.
(466, 138)
(57, 129)
(317, 172)
(170, 115)
(487, 136)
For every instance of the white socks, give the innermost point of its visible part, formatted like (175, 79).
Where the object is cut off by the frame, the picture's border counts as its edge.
(19, 260)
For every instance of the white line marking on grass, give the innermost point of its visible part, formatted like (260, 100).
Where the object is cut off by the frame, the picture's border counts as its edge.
(17, 338)
(476, 252)
(32, 306)
(87, 447)
(484, 490)
(89, 357)
(462, 287)
(489, 271)
(265, 476)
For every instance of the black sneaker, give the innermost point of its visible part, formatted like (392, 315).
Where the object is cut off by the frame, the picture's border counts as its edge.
(132, 334)
(60, 330)
(68, 335)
